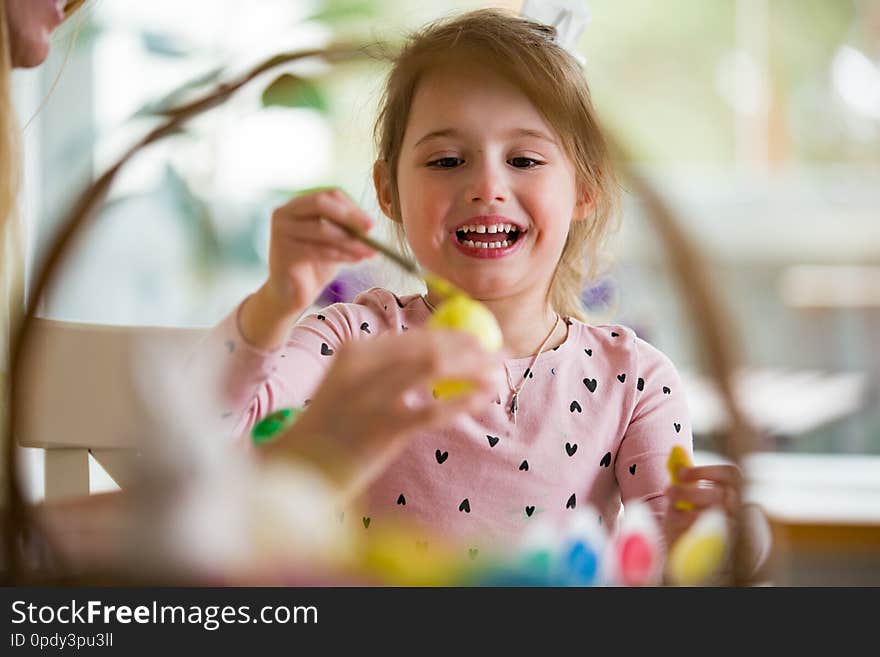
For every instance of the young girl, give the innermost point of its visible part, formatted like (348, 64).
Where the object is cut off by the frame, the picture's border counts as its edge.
(492, 166)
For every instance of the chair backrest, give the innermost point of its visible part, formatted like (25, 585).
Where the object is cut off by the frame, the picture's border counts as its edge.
(95, 389)
(87, 385)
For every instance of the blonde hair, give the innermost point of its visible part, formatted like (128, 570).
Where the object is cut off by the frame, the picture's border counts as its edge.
(9, 155)
(11, 232)
(10, 173)
(524, 53)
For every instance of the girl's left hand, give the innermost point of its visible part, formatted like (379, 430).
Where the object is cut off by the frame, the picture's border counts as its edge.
(700, 488)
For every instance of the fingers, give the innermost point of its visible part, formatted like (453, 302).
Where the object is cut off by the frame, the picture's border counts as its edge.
(331, 203)
(677, 522)
(698, 498)
(423, 413)
(318, 233)
(723, 483)
(317, 217)
(312, 246)
(393, 373)
(728, 475)
(436, 413)
(334, 205)
(424, 356)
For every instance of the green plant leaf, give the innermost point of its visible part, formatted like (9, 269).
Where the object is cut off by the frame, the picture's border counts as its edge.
(195, 218)
(291, 91)
(164, 44)
(345, 10)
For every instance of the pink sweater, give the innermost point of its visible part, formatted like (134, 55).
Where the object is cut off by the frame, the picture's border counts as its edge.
(595, 424)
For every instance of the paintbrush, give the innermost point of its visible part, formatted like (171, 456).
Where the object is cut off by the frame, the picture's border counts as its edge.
(441, 287)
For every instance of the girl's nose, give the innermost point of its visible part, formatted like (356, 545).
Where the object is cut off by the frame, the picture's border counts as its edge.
(487, 185)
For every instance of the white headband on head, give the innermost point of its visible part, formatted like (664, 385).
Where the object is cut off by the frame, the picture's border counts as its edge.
(569, 17)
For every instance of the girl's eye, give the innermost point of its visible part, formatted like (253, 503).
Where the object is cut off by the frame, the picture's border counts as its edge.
(524, 162)
(445, 162)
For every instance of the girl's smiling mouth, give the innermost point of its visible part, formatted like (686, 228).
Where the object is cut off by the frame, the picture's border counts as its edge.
(489, 237)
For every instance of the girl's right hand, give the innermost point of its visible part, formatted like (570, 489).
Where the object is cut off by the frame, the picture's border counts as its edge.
(306, 250)
(377, 394)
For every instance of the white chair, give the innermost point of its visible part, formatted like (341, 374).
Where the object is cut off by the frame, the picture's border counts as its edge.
(84, 392)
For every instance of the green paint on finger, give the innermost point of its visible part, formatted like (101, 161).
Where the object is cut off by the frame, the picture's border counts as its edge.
(274, 424)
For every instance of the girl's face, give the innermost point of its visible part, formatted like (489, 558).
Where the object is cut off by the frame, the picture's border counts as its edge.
(486, 190)
(31, 23)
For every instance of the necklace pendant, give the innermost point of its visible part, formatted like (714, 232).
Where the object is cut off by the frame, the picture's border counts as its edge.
(514, 405)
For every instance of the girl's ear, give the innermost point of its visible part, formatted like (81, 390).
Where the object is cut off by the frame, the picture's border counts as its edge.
(382, 183)
(585, 205)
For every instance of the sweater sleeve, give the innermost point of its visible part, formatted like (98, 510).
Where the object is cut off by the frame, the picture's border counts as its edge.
(660, 419)
(243, 383)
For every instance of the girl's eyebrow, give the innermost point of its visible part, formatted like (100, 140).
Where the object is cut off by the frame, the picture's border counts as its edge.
(517, 132)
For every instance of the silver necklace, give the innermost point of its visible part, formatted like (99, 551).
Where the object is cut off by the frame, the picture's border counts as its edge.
(514, 398)
(515, 390)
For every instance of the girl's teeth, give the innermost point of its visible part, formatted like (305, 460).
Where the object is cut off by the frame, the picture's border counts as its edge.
(482, 228)
(486, 245)
(502, 229)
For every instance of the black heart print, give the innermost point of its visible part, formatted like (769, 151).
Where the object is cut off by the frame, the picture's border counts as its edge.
(493, 440)
(572, 502)
(321, 317)
(575, 407)
(571, 449)
(366, 520)
(621, 377)
(325, 350)
(365, 327)
(441, 456)
(524, 465)
(588, 352)
(677, 427)
(614, 335)
(591, 384)
(641, 384)
(529, 511)
(666, 390)
(606, 460)
(401, 500)
(632, 469)
(403, 328)
(465, 506)
(473, 552)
